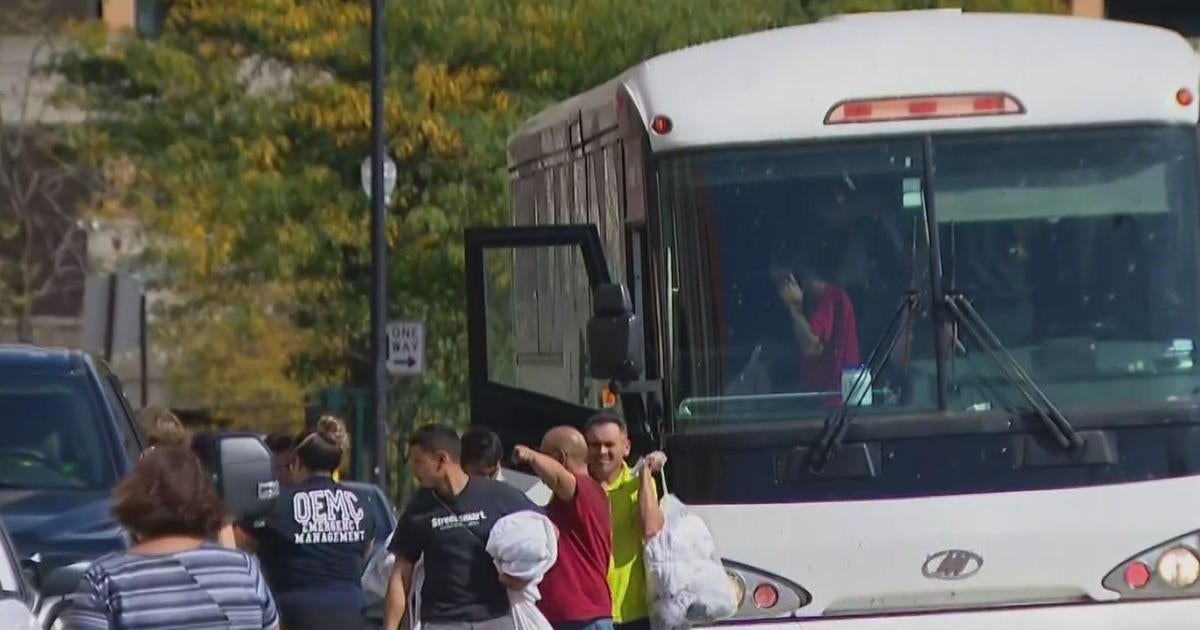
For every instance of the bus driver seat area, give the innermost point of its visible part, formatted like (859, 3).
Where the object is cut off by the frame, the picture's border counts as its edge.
(862, 240)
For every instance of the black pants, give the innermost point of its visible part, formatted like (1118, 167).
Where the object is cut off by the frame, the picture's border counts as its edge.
(313, 618)
(329, 609)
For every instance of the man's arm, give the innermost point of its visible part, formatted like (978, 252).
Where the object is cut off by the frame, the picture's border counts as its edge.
(793, 296)
(407, 544)
(397, 593)
(556, 477)
(649, 512)
(809, 342)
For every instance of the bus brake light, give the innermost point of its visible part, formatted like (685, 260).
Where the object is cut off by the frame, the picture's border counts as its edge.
(1184, 97)
(661, 125)
(1137, 575)
(923, 108)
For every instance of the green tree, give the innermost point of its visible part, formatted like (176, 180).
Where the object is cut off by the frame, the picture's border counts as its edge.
(244, 126)
(821, 8)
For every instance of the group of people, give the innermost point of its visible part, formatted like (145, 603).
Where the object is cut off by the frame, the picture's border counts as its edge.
(602, 510)
(192, 565)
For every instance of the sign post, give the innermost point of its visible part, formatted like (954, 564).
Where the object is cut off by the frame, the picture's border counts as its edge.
(405, 348)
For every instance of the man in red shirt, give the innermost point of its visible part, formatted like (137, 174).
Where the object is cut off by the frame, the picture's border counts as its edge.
(575, 592)
(824, 325)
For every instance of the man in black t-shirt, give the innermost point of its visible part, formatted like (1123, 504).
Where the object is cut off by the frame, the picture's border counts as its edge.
(447, 525)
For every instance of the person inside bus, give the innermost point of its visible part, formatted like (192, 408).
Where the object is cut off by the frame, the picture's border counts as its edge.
(823, 324)
(869, 232)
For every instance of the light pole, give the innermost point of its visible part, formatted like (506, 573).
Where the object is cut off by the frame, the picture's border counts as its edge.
(370, 175)
(378, 249)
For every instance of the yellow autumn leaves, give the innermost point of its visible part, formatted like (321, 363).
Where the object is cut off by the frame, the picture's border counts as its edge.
(247, 183)
(415, 112)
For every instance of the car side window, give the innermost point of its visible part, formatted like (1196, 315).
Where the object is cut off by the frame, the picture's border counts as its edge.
(131, 439)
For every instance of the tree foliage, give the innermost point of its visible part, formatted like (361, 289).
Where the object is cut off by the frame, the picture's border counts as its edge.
(245, 124)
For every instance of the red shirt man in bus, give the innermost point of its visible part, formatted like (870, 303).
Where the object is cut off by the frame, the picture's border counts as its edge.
(824, 326)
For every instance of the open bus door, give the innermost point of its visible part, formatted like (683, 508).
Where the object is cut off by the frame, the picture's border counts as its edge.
(498, 400)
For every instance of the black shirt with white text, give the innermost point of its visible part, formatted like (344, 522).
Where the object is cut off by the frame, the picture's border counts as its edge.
(461, 582)
(316, 539)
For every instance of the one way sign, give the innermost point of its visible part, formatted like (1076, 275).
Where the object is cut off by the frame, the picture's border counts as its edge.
(406, 347)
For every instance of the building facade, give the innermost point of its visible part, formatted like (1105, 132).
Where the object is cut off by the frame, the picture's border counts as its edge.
(66, 247)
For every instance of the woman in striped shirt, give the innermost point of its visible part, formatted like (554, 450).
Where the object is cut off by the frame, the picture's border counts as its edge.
(173, 577)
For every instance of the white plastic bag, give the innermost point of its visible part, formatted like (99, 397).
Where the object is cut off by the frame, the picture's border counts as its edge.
(414, 595)
(378, 573)
(686, 582)
(525, 546)
(525, 613)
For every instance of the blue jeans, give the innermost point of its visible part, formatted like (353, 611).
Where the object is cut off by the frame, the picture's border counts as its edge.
(596, 624)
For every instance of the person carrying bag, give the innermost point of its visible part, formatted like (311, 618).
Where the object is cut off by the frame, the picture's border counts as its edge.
(686, 582)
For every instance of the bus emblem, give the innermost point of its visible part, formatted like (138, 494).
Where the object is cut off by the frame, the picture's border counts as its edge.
(952, 564)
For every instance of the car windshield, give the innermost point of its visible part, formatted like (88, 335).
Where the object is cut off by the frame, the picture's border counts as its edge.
(51, 433)
(790, 264)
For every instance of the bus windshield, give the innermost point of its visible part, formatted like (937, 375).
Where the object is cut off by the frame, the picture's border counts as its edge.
(789, 264)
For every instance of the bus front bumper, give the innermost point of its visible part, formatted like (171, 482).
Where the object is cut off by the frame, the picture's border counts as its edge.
(1146, 615)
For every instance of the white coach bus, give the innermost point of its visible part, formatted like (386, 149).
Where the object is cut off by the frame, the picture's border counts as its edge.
(910, 300)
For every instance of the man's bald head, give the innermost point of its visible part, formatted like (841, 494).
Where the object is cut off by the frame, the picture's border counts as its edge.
(567, 445)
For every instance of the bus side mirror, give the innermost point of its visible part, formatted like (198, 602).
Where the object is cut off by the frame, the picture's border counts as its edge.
(614, 336)
(246, 476)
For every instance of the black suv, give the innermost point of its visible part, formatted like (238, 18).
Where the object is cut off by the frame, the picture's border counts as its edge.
(68, 435)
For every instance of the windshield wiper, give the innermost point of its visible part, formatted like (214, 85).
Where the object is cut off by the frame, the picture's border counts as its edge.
(824, 448)
(1060, 429)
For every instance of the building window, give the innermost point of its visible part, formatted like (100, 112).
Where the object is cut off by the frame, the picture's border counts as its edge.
(151, 15)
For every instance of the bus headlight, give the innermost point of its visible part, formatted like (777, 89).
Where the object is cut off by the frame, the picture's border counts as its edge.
(761, 595)
(739, 587)
(1168, 569)
(1178, 567)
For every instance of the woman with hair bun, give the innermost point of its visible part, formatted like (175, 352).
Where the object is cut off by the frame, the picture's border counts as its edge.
(314, 546)
(161, 427)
